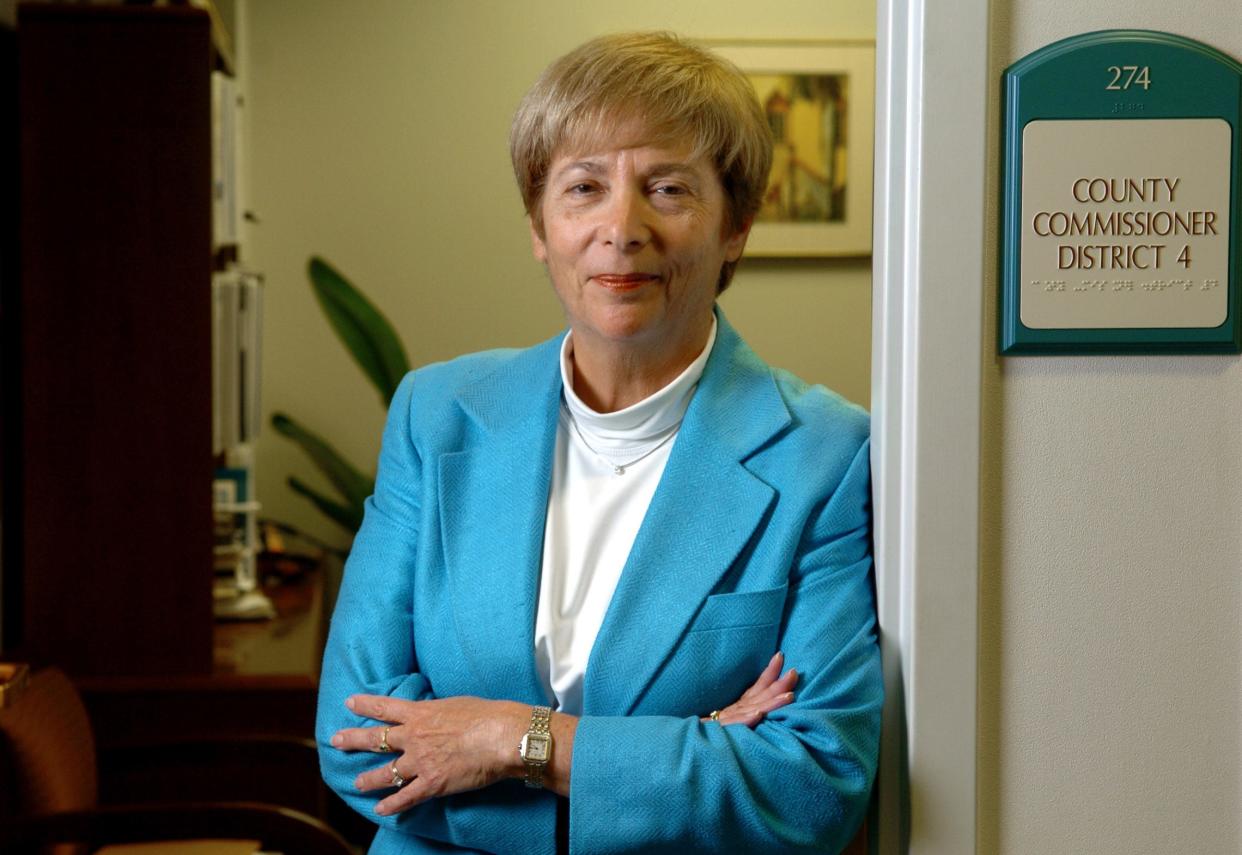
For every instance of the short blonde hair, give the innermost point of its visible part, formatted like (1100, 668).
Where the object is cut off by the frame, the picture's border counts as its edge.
(663, 88)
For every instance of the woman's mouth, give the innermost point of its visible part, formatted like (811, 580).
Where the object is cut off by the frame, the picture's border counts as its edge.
(624, 281)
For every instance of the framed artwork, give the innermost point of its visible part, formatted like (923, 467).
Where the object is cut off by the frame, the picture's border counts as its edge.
(819, 98)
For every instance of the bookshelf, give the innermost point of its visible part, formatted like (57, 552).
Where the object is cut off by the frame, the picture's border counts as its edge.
(108, 467)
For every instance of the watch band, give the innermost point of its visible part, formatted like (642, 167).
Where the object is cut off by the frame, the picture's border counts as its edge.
(540, 732)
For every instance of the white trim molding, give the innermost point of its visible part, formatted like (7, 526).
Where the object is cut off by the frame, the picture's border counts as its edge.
(930, 162)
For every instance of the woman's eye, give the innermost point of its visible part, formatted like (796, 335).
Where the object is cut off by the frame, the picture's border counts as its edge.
(582, 188)
(669, 190)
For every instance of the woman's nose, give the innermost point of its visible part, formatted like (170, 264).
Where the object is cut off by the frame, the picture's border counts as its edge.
(625, 223)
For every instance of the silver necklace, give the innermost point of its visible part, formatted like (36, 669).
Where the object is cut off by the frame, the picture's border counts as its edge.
(619, 468)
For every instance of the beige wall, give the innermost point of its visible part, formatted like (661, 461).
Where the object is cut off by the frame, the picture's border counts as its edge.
(1110, 598)
(377, 138)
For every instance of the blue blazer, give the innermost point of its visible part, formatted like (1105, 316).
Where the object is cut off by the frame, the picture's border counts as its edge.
(757, 540)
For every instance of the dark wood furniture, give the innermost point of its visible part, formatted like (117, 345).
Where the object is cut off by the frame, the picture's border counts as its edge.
(263, 681)
(107, 446)
(107, 465)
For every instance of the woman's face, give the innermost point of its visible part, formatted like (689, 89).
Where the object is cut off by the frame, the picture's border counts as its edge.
(634, 239)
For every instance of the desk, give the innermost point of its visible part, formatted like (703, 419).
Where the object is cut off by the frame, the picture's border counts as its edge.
(290, 643)
(264, 678)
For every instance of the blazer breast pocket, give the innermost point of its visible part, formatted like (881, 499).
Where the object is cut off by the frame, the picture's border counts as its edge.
(741, 609)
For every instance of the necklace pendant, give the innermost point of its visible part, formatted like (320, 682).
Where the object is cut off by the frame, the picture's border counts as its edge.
(618, 470)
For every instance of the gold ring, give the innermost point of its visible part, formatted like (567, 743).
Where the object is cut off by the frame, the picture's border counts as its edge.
(714, 715)
(384, 747)
(397, 780)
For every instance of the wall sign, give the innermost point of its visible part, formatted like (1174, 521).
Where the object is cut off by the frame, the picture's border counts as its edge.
(1120, 197)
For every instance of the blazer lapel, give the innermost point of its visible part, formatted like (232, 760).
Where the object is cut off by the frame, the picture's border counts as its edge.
(703, 514)
(493, 502)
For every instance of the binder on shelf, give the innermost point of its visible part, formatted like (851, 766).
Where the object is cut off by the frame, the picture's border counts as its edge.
(225, 376)
(250, 353)
(225, 147)
(237, 346)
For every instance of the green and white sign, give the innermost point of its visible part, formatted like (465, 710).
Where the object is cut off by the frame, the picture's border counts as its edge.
(1121, 206)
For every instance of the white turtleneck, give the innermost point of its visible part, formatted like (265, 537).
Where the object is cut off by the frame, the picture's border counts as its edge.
(594, 514)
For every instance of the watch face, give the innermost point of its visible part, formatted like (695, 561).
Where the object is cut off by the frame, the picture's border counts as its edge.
(535, 747)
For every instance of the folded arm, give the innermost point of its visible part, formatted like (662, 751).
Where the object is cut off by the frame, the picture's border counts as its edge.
(445, 746)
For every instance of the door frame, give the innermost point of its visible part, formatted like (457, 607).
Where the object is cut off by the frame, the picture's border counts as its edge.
(932, 102)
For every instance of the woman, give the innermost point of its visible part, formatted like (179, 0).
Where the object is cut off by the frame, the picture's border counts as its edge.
(627, 523)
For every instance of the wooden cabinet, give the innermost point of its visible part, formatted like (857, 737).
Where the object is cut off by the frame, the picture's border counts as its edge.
(107, 426)
(108, 466)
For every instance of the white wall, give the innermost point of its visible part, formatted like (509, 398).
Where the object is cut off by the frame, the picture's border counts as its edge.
(1110, 588)
(377, 138)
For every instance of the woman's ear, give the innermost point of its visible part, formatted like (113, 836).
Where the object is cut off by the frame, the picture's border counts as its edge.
(735, 243)
(537, 246)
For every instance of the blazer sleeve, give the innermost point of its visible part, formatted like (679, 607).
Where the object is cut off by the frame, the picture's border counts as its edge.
(370, 647)
(370, 650)
(801, 780)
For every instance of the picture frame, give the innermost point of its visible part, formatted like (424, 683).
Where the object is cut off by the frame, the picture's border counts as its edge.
(819, 97)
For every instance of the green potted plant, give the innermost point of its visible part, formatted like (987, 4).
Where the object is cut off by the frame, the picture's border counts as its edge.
(375, 346)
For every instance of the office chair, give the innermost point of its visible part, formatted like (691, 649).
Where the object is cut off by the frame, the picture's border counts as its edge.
(49, 789)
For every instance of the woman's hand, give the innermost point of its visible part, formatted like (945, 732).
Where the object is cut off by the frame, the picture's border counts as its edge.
(770, 692)
(437, 747)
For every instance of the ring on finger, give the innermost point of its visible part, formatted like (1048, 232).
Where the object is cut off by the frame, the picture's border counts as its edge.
(714, 715)
(384, 747)
(397, 780)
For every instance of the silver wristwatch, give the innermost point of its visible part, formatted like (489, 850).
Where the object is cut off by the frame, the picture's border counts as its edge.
(536, 747)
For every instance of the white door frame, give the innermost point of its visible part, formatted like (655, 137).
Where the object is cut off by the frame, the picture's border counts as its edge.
(932, 96)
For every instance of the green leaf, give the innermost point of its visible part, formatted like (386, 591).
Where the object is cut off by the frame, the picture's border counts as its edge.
(367, 334)
(349, 518)
(351, 483)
